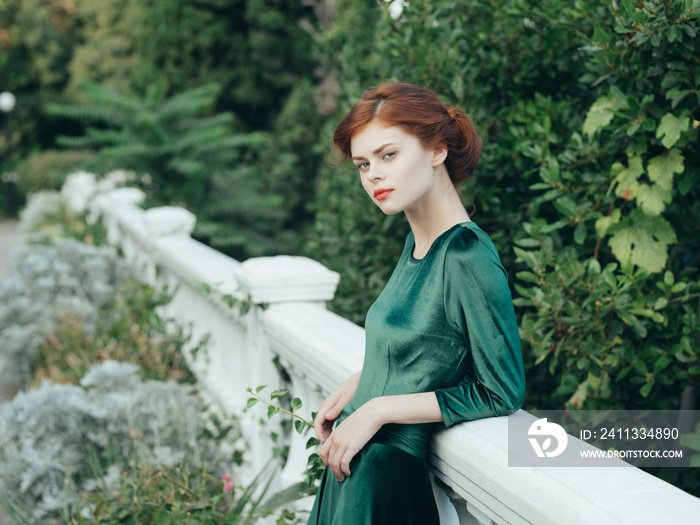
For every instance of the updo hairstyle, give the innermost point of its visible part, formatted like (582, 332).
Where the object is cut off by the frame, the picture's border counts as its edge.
(420, 113)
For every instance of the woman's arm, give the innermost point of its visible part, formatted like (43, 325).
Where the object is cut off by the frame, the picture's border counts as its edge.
(353, 433)
(333, 405)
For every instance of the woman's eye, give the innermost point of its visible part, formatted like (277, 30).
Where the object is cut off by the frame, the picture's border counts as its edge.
(389, 155)
(362, 165)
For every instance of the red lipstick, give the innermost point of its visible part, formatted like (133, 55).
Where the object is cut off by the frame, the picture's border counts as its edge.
(381, 194)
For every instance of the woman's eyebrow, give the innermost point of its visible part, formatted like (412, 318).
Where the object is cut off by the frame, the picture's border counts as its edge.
(380, 148)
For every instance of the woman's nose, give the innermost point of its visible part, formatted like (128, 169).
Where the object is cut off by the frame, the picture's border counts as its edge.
(374, 173)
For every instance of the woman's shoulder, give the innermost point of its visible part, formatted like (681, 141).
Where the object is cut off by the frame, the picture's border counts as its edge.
(470, 246)
(467, 238)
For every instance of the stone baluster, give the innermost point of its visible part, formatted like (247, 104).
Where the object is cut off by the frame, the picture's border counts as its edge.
(268, 281)
(107, 206)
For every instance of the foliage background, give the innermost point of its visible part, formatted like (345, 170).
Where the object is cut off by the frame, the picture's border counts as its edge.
(588, 182)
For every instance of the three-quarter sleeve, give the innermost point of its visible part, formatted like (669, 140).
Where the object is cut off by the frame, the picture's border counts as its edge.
(478, 305)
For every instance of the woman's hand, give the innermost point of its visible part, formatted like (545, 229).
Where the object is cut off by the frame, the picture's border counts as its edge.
(349, 437)
(333, 405)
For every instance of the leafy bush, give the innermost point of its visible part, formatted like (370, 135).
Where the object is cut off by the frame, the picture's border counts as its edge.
(45, 281)
(181, 493)
(46, 170)
(612, 324)
(47, 217)
(164, 494)
(189, 157)
(588, 112)
(129, 330)
(587, 170)
(49, 435)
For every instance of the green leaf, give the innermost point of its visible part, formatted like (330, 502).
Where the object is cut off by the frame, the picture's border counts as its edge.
(672, 34)
(600, 36)
(272, 410)
(259, 388)
(660, 303)
(603, 224)
(661, 169)
(580, 233)
(670, 129)
(296, 404)
(626, 180)
(661, 363)
(566, 206)
(629, 7)
(643, 240)
(609, 279)
(579, 397)
(528, 277)
(653, 198)
(299, 426)
(252, 401)
(646, 388)
(277, 393)
(312, 442)
(528, 257)
(600, 114)
(669, 279)
(678, 287)
(623, 373)
(549, 172)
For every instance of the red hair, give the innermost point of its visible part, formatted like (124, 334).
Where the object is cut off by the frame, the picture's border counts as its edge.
(420, 113)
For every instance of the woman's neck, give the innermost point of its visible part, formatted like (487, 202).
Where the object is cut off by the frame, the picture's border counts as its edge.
(441, 211)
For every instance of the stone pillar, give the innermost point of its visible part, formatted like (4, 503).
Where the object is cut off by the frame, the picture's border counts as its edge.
(164, 221)
(104, 206)
(169, 220)
(270, 280)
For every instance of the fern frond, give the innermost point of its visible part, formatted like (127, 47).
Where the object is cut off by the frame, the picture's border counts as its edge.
(111, 136)
(233, 142)
(128, 152)
(186, 166)
(102, 95)
(222, 119)
(198, 138)
(189, 102)
(92, 114)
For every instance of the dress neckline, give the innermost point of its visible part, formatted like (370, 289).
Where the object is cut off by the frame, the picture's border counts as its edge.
(438, 238)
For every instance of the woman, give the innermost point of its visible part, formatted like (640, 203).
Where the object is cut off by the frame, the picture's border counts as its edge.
(442, 344)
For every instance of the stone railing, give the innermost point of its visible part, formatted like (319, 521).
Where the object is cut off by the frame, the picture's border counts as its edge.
(286, 319)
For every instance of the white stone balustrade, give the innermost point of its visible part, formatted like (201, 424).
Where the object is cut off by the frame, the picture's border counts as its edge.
(319, 349)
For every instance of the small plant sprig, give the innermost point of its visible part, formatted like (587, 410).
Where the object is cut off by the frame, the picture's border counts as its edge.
(243, 305)
(315, 466)
(300, 423)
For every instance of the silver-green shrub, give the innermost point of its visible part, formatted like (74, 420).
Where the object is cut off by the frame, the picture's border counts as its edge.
(46, 281)
(48, 435)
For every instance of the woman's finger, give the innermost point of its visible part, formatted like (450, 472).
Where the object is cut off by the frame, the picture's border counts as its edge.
(345, 462)
(323, 451)
(336, 455)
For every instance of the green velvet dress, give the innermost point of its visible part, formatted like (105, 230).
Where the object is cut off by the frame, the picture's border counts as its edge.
(444, 323)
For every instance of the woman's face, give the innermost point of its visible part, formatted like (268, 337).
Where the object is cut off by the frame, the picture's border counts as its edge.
(397, 172)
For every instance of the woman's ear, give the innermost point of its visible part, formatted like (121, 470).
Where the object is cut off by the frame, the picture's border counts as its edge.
(439, 154)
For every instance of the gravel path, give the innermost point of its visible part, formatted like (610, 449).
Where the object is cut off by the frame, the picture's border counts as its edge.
(8, 238)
